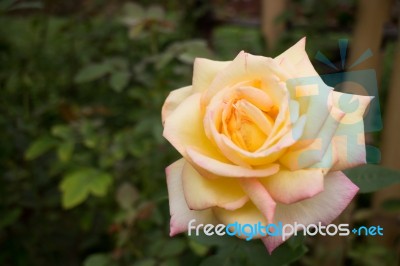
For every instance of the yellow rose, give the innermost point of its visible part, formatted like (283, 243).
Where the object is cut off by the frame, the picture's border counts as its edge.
(262, 140)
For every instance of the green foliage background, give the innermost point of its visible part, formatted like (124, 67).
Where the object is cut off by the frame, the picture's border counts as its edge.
(82, 157)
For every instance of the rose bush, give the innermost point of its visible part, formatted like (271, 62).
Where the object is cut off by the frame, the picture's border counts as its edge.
(262, 139)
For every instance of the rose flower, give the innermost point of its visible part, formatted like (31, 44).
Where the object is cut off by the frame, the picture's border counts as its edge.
(262, 140)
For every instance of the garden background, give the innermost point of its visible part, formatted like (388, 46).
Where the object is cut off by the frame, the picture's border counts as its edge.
(82, 155)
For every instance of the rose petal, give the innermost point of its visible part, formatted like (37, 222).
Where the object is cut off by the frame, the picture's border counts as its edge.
(260, 197)
(293, 186)
(316, 104)
(179, 211)
(207, 165)
(184, 127)
(349, 140)
(244, 67)
(204, 72)
(295, 60)
(203, 193)
(324, 207)
(295, 53)
(173, 100)
(315, 151)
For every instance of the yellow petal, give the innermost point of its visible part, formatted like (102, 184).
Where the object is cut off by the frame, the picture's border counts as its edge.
(202, 193)
(244, 67)
(178, 208)
(218, 168)
(292, 186)
(175, 98)
(184, 127)
(349, 140)
(204, 73)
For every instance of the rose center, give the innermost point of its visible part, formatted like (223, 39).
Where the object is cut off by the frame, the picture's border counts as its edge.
(247, 117)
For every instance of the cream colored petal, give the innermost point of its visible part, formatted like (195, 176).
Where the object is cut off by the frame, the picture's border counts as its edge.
(261, 157)
(315, 151)
(260, 196)
(324, 207)
(204, 73)
(349, 140)
(179, 210)
(316, 102)
(244, 67)
(202, 193)
(184, 127)
(229, 170)
(292, 186)
(173, 100)
(295, 60)
(295, 53)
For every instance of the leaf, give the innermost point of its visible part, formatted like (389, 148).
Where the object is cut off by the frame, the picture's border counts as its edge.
(92, 72)
(65, 151)
(145, 262)
(197, 248)
(172, 248)
(77, 186)
(283, 255)
(370, 178)
(39, 147)
(97, 260)
(26, 5)
(62, 131)
(119, 80)
(9, 217)
(118, 63)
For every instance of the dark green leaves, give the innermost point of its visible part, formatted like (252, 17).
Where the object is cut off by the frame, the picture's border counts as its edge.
(233, 251)
(114, 67)
(92, 72)
(77, 185)
(119, 80)
(370, 178)
(39, 147)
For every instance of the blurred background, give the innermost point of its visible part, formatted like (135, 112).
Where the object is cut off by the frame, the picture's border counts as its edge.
(82, 155)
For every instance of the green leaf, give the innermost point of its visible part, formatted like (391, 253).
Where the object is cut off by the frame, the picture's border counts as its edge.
(295, 241)
(92, 72)
(97, 260)
(65, 151)
(62, 131)
(9, 217)
(77, 185)
(119, 80)
(100, 184)
(27, 5)
(282, 255)
(39, 147)
(370, 178)
(172, 248)
(198, 248)
(145, 262)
